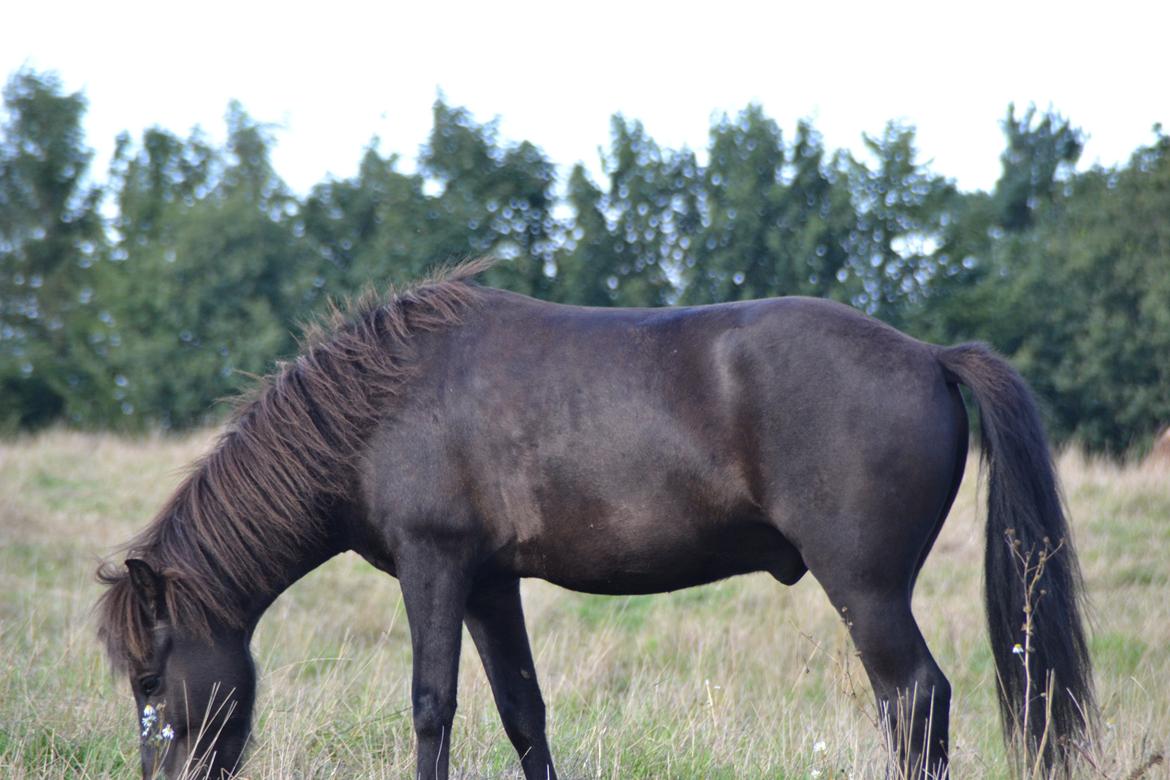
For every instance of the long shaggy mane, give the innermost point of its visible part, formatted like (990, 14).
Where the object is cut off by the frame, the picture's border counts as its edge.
(250, 507)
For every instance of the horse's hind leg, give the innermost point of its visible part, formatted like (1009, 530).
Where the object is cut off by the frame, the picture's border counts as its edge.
(913, 695)
(495, 619)
(868, 571)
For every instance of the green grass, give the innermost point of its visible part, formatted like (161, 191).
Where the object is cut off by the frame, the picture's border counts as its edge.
(740, 679)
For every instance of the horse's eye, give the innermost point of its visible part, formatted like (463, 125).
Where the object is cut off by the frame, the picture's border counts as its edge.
(150, 685)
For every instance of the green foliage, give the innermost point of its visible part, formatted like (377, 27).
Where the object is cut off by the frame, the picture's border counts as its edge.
(902, 209)
(591, 267)
(50, 241)
(377, 226)
(626, 240)
(1040, 150)
(208, 271)
(1096, 288)
(495, 199)
(205, 262)
(776, 217)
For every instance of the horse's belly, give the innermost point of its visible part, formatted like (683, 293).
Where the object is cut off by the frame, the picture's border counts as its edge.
(654, 555)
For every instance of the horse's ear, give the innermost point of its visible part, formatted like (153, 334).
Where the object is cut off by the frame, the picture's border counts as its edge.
(149, 586)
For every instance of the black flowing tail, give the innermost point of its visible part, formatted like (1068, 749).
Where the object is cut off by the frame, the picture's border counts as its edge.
(1033, 580)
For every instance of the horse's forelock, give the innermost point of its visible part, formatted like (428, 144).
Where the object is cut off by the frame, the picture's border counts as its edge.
(121, 626)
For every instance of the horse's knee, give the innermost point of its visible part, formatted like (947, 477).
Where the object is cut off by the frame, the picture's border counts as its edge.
(936, 688)
(932, 694)
(524, 721)
(433, 713)
(925, 693)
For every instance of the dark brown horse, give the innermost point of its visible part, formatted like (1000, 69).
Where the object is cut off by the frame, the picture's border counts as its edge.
(460, 438)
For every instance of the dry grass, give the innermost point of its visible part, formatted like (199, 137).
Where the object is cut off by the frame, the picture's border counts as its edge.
(744, 678)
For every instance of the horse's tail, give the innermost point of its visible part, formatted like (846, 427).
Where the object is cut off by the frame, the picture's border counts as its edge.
(1033, 580)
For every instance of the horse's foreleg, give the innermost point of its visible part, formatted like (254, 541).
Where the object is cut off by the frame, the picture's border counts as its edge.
(434, 592)
(495, 619)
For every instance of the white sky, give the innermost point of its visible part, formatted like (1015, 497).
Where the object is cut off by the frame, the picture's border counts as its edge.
(332, 75)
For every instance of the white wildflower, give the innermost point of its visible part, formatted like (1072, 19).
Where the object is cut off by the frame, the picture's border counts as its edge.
(1018, 649)
(167, 733)
(820, 746)
(149, 716)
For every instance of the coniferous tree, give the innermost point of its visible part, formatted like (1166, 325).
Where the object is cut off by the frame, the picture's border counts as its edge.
(590, 265)
(208, 260)
(1091, 303)
(51, 239)
(212, 272)
(1039, 151)
(899, 205)
(735, 257)
(650, 209)
(494, 199)
(372, 230)
(775, 220)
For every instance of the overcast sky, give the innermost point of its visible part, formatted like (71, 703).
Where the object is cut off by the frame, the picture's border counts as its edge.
(333, 75)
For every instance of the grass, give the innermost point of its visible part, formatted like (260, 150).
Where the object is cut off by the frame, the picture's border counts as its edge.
(743, 678)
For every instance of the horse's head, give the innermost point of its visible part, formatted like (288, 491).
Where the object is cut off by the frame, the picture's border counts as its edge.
(193, 689)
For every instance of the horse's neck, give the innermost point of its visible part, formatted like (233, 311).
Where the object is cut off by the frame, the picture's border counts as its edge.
(260, 540)
(309, 552)
(256, 604)
(275, 495)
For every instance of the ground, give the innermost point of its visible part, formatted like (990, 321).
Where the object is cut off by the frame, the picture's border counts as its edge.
(744, 678)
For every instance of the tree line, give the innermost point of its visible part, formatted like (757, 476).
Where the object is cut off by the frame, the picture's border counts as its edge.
(138, 302)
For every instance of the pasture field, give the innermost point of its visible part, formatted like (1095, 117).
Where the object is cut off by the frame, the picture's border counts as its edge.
(741, 679)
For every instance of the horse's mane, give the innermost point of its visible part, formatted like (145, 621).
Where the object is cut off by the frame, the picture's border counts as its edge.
(250, 506)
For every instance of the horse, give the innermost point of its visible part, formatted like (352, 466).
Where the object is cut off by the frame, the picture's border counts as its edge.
(460, 438)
